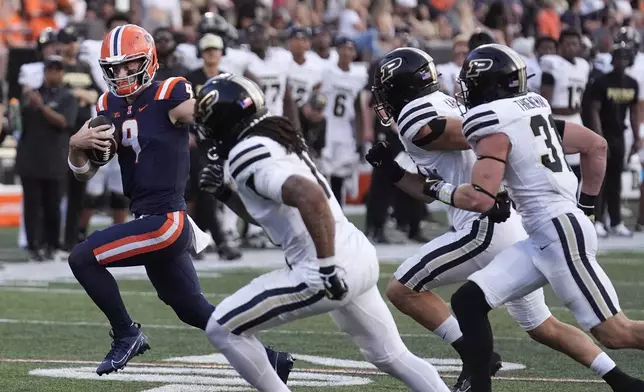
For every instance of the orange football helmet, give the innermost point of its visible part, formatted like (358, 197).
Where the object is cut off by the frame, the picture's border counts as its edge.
(128, 45)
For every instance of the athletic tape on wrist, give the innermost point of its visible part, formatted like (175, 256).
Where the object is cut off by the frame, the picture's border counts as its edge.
(79, 170)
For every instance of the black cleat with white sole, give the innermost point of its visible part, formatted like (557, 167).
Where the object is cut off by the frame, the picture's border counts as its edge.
(122, 351)
(282, 363)
(464, 384)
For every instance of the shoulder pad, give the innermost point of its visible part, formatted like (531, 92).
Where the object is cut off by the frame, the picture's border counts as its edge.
(101, 103)
(480, 123)
(168, 89)
(548, 63)
(414, 116)
(245, 156)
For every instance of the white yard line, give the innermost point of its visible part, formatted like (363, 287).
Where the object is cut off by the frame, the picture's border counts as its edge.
(363, 372)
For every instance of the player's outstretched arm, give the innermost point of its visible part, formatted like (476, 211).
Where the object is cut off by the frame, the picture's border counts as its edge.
(592, 149)
(309, 198)
(487, 174)
(441, 133)
(412, 184)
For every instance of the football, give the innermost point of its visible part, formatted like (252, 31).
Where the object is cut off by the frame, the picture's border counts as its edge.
(99, 157)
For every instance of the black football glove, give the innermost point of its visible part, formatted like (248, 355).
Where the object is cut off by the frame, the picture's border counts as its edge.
(501, 210)
(211, 180)
(433, 184)
(334, 287)
(382, 156)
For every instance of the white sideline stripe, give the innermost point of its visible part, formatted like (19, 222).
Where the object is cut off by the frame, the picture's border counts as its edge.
(185, 327)
(81, 291)
(311, 370)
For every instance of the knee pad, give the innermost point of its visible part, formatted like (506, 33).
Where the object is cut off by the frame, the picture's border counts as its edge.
(93, 202)
(193, 310)
(118, 201)
(469, 299)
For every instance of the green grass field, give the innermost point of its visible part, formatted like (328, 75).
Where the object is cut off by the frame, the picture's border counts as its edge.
(52, 337)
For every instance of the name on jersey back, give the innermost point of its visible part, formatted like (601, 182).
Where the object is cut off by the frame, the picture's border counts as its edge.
(531, 102)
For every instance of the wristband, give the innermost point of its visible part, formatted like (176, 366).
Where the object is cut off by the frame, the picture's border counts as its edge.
(586, 200)
(446, 193)
(327, 262)
(79, 170)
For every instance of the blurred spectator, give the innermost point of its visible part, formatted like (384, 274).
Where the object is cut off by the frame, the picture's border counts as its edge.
(90, 49)
(161, 13)
(31, 74)
(169, 63)
(572, 19)
(78, 78)
(351, 21)
(496, 20)
(448, 72)
(548, 22)
(41, 160)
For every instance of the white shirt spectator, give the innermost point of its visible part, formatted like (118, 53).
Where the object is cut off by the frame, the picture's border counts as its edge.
(348, 19)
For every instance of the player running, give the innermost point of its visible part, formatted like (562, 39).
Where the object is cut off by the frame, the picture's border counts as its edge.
(429, 123)
(331, 266)
(154, 159)
(517, 140)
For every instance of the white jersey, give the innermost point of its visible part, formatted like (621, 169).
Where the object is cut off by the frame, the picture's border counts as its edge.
(341, 89)
(448, 74)
(454, 166)
(32, 75)
(90, 52)
(537, 176)
(570, 80)
(259, 166)
(272, 72)
(235, 61)
(329, 61)
(303, 77)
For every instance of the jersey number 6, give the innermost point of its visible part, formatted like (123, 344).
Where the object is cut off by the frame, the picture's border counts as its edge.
(130, 136)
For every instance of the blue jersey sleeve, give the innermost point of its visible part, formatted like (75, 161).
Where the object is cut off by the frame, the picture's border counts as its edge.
(173, 91)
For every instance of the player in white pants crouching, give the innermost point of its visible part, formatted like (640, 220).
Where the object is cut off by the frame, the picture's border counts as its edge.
(517, 140)
(331, 266)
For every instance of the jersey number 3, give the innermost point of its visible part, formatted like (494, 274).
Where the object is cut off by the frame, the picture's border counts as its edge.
(130, 137)
(549, 143)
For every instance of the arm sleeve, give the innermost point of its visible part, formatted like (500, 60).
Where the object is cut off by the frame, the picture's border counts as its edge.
(174, 91)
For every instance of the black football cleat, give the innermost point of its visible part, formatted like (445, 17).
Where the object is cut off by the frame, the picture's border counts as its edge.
(123, 349)
(463, 384)
(282, 363)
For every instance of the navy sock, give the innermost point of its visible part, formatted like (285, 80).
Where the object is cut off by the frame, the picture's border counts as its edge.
(103, 290)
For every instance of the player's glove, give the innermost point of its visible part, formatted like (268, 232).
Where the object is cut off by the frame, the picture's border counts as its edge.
(211, 180)
(501, 210)
(382, 156)
(334, 286)
(586, 203)
(436, 188)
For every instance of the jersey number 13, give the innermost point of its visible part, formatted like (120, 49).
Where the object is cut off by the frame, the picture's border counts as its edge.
(549, 143)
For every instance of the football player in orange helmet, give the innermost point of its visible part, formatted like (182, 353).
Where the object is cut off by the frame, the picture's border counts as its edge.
(148, 120)
(128, 59)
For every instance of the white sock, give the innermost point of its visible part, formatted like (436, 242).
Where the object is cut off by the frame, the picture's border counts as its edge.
(248, 356)
(449, 331)
(418, 375)
(602, 364)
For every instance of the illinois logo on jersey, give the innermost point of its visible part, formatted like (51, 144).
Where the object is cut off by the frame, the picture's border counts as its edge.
(477, 66)
(388, 68)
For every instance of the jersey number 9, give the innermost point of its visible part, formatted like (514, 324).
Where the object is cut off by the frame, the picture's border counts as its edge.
(130, 136)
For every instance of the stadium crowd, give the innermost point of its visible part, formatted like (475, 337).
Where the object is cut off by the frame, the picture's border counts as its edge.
(314, 60)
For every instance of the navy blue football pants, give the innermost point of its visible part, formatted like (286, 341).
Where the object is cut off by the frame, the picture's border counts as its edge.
(158, 242)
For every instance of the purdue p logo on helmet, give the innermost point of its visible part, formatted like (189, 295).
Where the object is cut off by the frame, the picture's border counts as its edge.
(477, 66)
